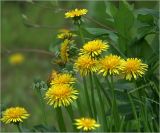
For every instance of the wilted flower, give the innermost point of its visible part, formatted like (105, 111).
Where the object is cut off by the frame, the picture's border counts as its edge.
(64, 50)
(51, 77)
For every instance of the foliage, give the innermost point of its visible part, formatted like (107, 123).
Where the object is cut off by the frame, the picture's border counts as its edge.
(124, 106)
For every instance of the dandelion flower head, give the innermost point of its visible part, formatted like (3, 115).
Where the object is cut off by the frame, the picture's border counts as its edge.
(85, 64)
(110, 64)
(86, 124)
(14, 115)
(61, 95)
(133, 68)
(76, 13)
(94, 48)
(16, 58)
(65, 34)
(63, 78)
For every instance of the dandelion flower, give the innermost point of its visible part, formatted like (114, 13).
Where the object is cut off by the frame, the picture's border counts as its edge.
(84, 64)
(61, 95)
(86, 124)
(63, 78)
(16, 58)
(65, 34)
(14, 115)
(64, 50)
(76, 13)
(94, 48)
(110, 64)
(133, 67)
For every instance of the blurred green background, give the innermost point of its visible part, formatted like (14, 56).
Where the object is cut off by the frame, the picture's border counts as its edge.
(34, 25)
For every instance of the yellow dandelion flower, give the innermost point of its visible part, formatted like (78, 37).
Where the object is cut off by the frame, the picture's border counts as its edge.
(133, 67)
(110, 64)
(76, 13)
(94, 48)
(61, 95)
(86, 124)
(63, 78)
(84, 64)
(16, 58)
(14, 115)
(64, 50)
(65, 34)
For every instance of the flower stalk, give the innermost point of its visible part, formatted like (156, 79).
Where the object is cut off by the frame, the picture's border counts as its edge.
(87, 97)
(105, 125)
(60, 120)
(93, 96)
(18, 127)
(79, 27)
(134, 111)
(115, 113)
(42, 105)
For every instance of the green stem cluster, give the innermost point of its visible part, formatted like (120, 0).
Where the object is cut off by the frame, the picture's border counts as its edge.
(42, 105)
(19, 128)
(87, 97)
(60, 119)
(115, 113)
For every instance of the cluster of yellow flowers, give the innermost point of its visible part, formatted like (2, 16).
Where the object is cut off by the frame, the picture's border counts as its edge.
(90, 60)
(61, 92)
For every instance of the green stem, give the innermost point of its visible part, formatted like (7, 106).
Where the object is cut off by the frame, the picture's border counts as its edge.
(143, 112)
(19, 128)
(105, 126)
(92, 96)
(60, 120)
(79, 107)
(87, 97)
(134, 112)
(104, 91)
(80, 33)
(42, 106)
(115, 113)
(71, 114)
